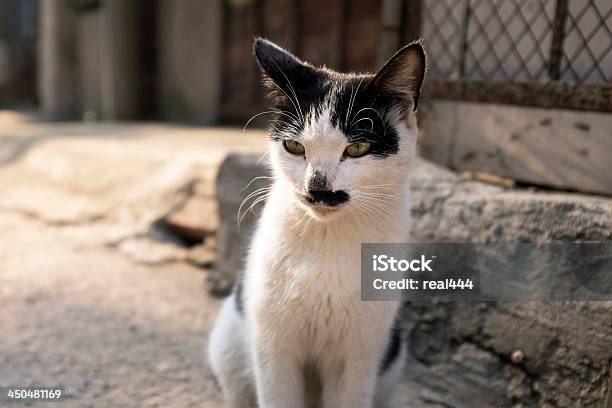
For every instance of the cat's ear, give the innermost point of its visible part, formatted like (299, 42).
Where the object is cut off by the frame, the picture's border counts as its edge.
(284, 70)
(402, 76)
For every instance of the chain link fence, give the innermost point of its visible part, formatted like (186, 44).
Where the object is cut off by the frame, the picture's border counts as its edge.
(587, 51)
(518, 40)
(567, 43)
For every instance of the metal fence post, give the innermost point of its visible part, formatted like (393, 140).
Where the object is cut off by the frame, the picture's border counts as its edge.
(556, 47)
(464, 39)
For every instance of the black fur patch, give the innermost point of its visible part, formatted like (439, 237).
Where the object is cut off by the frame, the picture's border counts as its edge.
(394, 346)
(366, 121)
(289, 122)
(238, 296)
(361, 113)
(361, 102)
(329, 197)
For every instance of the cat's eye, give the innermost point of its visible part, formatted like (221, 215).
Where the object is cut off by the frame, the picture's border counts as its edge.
(293, 146)
(357, 149)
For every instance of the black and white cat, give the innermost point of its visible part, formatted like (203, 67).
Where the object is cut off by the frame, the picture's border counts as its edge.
(295, 332)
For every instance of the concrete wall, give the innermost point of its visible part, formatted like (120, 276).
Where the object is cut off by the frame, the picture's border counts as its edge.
(549, 147)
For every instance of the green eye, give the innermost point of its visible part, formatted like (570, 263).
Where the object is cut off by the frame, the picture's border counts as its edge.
(357, 149)
(293, 147)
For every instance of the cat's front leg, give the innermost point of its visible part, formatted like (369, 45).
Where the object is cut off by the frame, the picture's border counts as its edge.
(278, 378)
(355, 387)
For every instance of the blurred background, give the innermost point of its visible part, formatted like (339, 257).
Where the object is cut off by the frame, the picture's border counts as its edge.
(191, 60)
(123, 164)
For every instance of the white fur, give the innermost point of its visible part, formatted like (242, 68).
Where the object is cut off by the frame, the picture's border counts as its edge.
(302, 296)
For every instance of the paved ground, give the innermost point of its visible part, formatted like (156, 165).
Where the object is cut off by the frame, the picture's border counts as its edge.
(74, 309)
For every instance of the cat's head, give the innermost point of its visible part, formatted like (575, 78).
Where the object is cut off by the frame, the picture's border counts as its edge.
(342, 143)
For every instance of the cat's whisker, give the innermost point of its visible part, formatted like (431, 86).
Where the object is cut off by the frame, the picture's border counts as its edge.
(363, 205)
(378, 204)
(291, 115)
(360, 138)
(286, 135)
(359, 120)
(367, 109)
(380, 195)
(263, 190)
(387, 184)
(372, 211)
(357, 218)
(364, 208)
(376, 190)
(276, 125)
(349, 107)
(380, 189)
(253, 180)
(257, 201)
(297, 103)
(257, 191)
(361, 208)
(293, 120)
(382, 121)
(250, 209)
(265, 113)
(240, 216)
(384, 203)
(352, 101)
(383, 200)
(263, 156)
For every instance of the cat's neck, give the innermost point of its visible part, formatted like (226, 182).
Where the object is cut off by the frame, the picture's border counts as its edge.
(388, 224)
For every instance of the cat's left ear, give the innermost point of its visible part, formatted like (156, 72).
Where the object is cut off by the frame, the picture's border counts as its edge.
(402, 76)
(283, 69)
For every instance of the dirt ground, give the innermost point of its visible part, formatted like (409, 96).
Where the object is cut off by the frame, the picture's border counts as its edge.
(114, 333)
(76, 310)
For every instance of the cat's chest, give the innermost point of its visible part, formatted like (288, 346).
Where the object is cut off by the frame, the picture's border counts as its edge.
(317, 266)
(317, 287)
(318, 302)
(307, 291)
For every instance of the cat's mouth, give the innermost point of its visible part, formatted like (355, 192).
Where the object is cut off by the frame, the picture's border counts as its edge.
(320, 208)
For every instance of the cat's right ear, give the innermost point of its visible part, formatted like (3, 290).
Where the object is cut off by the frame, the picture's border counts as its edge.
(283, 70)
(402, 76)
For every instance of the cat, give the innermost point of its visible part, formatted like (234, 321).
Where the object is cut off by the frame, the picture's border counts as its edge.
(295, 333)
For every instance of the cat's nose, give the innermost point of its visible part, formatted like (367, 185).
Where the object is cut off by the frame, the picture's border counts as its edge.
(319, 191)
(317, 182)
